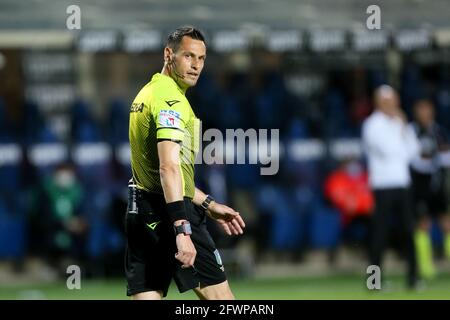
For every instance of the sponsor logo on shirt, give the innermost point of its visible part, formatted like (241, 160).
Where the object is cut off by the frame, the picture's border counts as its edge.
(171, 102)
(169, 119)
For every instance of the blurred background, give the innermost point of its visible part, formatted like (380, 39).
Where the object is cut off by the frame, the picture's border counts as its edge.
(307, 68)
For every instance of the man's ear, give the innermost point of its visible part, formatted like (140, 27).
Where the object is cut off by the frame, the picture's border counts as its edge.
(168, 53)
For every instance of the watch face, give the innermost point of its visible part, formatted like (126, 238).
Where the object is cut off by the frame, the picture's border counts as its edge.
(184, 228)
(187, 228)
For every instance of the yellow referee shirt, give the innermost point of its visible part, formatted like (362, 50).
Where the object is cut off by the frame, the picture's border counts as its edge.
(161, 111)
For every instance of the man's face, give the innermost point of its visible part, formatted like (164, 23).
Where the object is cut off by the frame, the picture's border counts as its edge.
(387, 101)
(189, 61)
(424, 113)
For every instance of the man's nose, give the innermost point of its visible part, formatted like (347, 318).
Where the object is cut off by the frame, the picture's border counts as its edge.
(194, 64)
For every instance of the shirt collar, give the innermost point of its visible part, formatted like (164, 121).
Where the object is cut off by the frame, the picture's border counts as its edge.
(168, 79)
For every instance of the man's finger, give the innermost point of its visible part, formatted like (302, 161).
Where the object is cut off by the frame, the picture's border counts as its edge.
(240, 220)
(180, 258)
(232, 228)
(226, 229)
(231, 215)
(192, 260)
(186, 259)
(237, 226)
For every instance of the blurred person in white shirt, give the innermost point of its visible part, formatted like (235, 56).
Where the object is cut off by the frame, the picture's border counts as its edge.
(390, 146)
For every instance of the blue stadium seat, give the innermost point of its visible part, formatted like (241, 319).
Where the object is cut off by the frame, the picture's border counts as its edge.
(103, 239)
(3, 121)
(338, 122)
(12, 234)
(288, 221)
(84, 126)
(377, 78)
(287, 229)
(297, 129)
(443, 105)
(34, 124)
(46, 135)
(230, 113)
(266, 105)
(87, 132)
(412, 88)
(10, 178)
(243, 176)
(325, 228)
(118, 121)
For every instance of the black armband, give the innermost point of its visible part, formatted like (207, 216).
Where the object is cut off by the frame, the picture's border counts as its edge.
(166, 139)
(176, 210)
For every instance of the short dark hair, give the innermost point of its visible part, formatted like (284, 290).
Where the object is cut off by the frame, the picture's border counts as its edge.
(423, 100)
(174, 39)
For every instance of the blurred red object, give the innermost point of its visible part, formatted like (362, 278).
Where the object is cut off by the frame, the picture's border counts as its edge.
(347, 188)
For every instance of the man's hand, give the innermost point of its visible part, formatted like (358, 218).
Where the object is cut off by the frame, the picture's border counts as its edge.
(186, 251)
(230, 220)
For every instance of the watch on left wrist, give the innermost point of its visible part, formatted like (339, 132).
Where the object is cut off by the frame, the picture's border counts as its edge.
(184, 228)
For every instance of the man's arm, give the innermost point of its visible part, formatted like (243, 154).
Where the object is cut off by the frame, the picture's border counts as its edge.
(377, 140)
(412, 144)
(171, 181)
(169, 170)
(199, 197)
(230, 220)
(372, 140)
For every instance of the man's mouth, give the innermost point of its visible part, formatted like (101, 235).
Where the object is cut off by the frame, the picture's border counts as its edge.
(193, 74)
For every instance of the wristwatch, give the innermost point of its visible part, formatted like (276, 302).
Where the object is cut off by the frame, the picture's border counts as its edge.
(205, 204)
(184, 228)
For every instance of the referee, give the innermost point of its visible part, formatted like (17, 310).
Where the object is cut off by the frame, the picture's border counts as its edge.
(166, 216)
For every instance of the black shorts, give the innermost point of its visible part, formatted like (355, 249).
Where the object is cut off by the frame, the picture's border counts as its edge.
(429, 193)
(150, 262)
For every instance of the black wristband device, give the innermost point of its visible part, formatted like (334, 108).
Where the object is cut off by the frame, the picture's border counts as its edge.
(183, 228)
(176, 210)
(205, 204)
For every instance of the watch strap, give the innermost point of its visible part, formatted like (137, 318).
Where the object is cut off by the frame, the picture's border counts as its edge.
(205, 204)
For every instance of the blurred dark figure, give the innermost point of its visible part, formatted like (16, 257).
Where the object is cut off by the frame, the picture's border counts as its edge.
(57, 225)
(348, 190)
(428, 174)
(360, 106)
(390, 146)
